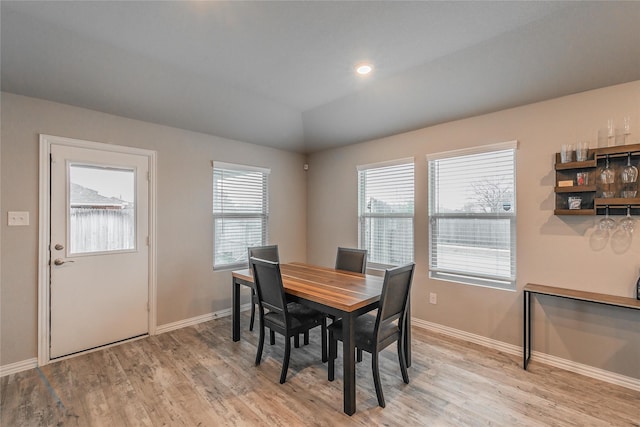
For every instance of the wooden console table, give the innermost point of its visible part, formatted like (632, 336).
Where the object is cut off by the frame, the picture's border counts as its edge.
(593, 297)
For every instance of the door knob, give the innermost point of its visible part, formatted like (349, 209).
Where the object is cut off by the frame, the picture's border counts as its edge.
(60, 261)
(58, 247)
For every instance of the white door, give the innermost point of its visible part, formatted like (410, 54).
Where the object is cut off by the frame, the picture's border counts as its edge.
(99, 250)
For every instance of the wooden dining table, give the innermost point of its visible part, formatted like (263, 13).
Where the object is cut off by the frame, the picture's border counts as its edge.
(339, 293)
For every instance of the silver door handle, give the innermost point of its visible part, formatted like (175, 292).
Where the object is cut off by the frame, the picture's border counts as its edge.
(60, 261)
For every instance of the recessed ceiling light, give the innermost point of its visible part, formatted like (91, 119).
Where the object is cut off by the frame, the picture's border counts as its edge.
(364, 69)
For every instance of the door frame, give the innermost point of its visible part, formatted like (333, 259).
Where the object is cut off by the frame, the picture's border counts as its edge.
(44, 234)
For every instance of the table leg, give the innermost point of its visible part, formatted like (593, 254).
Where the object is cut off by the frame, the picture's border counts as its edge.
(235, 311)
(529, 327)
(526, 333)
(348, 358)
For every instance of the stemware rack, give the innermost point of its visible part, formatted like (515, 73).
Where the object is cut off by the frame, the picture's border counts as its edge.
(592, 202)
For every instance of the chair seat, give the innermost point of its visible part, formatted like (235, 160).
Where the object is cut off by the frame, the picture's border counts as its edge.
(302, 311)
(364, 331)
(299, 315)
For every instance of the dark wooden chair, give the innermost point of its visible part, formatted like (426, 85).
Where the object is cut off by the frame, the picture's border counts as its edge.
(288, 319)
(374, 333)
(270, 253)
(354, 260)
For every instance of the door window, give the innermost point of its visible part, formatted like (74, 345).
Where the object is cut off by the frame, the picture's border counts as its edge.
(101, 209)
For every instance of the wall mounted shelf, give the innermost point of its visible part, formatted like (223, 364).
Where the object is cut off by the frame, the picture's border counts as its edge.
(590, 194)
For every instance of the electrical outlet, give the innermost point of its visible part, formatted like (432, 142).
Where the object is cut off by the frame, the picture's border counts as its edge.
(18, 218)
(433, 298)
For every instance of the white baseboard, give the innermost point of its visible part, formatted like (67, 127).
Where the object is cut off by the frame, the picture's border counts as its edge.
(588, 371)
(466, 336)
(198, 319)
(24, 365)
(14, 368)
(558, 362)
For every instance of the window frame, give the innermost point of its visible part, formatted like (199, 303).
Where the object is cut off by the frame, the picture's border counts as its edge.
(363, 215)
(474, 278)
(263, 215)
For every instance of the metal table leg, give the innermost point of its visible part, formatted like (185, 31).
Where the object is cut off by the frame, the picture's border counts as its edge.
(235, 311)
(526, 345)
(348, 358)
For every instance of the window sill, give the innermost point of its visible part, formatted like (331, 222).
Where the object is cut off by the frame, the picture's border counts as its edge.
(474, 281)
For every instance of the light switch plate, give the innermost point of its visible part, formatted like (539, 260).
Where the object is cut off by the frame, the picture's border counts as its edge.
(18, 218)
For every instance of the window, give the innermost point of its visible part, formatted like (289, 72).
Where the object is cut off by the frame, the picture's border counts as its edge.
(102, 209)
(385, 212)
(472, 216)
(240, 212)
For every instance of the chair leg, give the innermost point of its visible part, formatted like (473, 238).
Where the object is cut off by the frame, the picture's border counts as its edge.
(260, 344)
(359, 356)
(253, 309)
(333, 344)
(306, 338)
(296, 341)
(272, 337)
(403, 360)
(376, 377)
(285, 362)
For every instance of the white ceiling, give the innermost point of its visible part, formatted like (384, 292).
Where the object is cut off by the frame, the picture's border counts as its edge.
(281, 74)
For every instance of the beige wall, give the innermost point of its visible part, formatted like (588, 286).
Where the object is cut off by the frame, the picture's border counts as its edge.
(551, 250)
(187, 286)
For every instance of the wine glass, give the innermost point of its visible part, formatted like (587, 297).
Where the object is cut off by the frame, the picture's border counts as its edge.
(611, 133)
(626, 127)
(607, 179)
(610, 128)
(621, 238)
(607, 224)
(620, 241)
(627, 223)
(629, 178)
(600, 236)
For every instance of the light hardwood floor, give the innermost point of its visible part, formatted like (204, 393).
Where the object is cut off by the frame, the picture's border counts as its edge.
(197, 376)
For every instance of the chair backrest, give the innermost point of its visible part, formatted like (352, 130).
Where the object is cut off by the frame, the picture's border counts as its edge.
(270, 253)
(269, 287)
(395, 294)
(349, 259)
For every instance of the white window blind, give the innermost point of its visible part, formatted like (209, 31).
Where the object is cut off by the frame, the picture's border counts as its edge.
(240, 212)
(472, 216)
(385, 211)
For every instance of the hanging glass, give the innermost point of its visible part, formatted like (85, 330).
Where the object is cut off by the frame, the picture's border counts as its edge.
(607, 180)
(629, 179)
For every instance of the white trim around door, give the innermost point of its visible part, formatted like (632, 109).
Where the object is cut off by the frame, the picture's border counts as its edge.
(46, 141)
